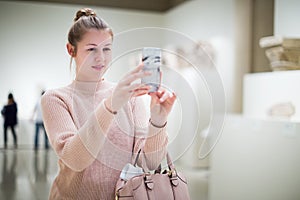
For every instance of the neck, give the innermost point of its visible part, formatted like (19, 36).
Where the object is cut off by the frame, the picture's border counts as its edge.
(88, 86)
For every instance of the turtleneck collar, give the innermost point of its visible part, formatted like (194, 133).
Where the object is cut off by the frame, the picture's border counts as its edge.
(88, 87)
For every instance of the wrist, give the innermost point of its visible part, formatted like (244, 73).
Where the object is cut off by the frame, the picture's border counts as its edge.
(108, 106)
(160, 124)
(158, 119)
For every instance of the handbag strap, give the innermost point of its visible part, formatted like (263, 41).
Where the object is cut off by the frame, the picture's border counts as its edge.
(137, 157)
(158, 169)
(169, 161)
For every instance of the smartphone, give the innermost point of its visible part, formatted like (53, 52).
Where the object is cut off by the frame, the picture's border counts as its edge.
(151, 58)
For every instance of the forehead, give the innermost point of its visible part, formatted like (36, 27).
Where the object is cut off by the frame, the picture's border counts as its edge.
(96, 37)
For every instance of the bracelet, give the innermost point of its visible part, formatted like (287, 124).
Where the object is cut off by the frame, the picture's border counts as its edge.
(156, 126)
(112, 112)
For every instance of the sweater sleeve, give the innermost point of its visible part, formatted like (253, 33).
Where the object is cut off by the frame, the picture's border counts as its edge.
(77, 147)
(152, 140)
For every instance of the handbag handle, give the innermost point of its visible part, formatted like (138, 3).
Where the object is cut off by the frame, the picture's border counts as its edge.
(158, 169)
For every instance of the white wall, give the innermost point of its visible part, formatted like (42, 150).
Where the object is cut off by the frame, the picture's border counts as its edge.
(227, 26)
(33, 38)
(211, 21)
(33, 53)
(32, 33)
(287, 18)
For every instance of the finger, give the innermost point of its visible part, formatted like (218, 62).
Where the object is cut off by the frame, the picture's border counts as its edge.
(145, 88)
(169, 102)
(172, 98)
(133, 77)
(158, 93)
(154, 98)
(140, 92)
(160, 74)
(161, 93)
(165, 96)
(136, 69)
(138, 86)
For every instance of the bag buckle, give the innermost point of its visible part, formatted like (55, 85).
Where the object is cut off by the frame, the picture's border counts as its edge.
(170, 172)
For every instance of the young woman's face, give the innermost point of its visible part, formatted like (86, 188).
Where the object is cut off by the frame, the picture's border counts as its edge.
(94, 53)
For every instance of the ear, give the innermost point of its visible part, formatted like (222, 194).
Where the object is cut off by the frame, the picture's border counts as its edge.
(71, 50)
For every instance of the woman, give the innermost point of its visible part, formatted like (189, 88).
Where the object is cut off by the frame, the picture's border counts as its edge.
(93, 125)
(9, 112)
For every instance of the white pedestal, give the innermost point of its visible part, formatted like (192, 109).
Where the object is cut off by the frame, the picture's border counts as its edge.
(263, 90)
(256, 159)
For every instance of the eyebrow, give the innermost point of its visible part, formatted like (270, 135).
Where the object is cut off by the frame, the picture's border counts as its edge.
(91, 44)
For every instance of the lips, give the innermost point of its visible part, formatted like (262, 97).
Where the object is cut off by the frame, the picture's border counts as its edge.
(98, 67)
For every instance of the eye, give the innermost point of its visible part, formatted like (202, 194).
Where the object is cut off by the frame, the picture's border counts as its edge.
(91, 49)
(106, 49)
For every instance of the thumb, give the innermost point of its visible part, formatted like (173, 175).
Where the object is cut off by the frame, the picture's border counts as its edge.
(154, 98)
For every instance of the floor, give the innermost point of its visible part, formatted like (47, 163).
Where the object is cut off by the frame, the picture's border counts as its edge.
(27, 175)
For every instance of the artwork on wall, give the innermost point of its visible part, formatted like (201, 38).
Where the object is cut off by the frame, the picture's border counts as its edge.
(201, 55)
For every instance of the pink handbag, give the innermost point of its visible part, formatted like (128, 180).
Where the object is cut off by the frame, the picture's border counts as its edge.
(166, 185)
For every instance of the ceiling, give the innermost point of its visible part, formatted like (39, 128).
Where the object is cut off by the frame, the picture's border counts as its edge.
(145, 5)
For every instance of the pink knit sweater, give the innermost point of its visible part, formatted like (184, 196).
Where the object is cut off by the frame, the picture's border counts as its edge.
(92, 144)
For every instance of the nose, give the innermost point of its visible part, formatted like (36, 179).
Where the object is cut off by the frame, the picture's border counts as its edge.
(100, 56)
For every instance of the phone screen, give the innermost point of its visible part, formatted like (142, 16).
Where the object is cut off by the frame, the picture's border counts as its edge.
(151, 58)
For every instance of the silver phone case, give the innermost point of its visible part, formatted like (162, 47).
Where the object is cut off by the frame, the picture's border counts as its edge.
(151, 58)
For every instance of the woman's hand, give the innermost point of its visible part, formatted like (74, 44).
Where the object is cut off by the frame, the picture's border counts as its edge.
(126, 89)
(160, 107)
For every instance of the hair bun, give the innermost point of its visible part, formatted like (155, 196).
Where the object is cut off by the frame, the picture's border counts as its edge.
(84, 12)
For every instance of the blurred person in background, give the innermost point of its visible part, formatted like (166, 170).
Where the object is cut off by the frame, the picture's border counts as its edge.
(9, 112)
(37, 117)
